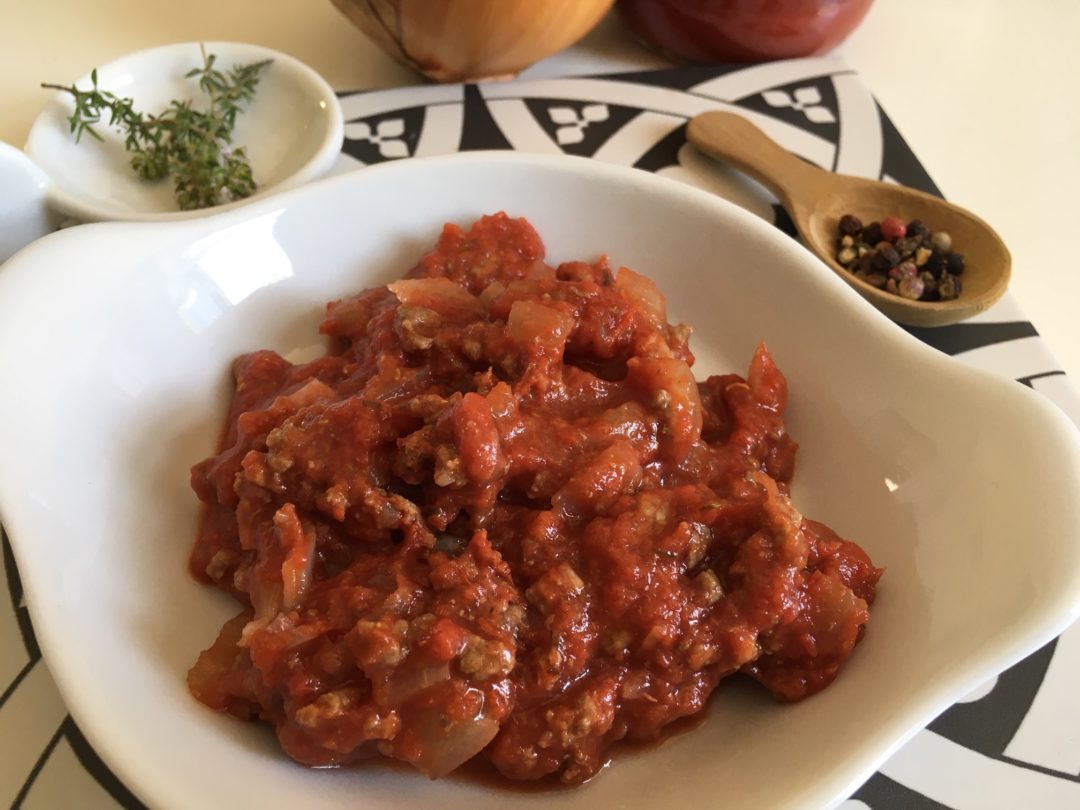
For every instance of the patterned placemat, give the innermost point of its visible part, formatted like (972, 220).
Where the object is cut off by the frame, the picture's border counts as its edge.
(1014, 742)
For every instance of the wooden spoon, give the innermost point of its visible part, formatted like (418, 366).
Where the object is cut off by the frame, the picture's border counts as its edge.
(816, 199)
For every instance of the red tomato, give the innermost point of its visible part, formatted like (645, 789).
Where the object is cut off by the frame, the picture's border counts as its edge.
(743, 30)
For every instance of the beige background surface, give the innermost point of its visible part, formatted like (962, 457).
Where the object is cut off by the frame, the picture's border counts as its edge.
(984, 90)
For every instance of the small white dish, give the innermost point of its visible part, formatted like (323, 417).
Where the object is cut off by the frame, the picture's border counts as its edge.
(116, 342)
(292, 132)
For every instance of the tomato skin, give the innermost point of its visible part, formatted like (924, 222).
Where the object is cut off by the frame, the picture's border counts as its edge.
(743, 30)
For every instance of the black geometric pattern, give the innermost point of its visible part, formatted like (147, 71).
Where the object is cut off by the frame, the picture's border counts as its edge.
(963, 337)
(680, 78)
(578, 127)
(15, 594)
(582, 126)
(98, 769)
(664, 153)
(479, 130)
(1029, 379)
(809, 104)
(783, 221)
(899, 162)
(880, 792)
(987, 725)
(385, 136)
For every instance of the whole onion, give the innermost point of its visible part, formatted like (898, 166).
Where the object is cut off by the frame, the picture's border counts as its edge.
(467, 40)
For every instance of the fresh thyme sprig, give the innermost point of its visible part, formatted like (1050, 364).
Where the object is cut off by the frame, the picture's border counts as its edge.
(192, 146)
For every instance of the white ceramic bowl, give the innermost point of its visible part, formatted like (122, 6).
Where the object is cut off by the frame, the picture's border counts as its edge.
(292, 132)
(115, 342)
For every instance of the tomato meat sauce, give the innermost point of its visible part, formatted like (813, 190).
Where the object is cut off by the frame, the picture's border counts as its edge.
(500, 518)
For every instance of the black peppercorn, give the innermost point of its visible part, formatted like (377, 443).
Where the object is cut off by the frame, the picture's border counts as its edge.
(850, 225)
(908, 245)
(903, 258)
(917, 229)
(879, 263)
(935, 264)
(948, 287)
(954, 263)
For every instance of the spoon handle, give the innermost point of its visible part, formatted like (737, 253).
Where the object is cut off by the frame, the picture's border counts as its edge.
(734, 139)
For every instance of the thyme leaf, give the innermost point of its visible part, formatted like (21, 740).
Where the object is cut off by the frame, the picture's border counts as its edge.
(191, 146)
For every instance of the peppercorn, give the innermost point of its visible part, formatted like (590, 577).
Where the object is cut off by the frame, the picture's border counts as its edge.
(846, 256)
(916, 229)
(954, 263)
(902, 271)
(941, 241)
(893, 228)
(876, 280)
(908, 245)
(935, 263)
(911, 287)
(850, 225)
(904, 259)
(948, 287)
(880, 262)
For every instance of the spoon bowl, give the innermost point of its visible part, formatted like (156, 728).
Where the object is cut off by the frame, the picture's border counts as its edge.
(816, 199)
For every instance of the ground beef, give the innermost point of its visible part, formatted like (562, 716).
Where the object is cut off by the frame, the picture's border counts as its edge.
(501, 519)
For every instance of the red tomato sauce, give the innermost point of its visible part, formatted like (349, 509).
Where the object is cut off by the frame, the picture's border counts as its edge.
(500, 518)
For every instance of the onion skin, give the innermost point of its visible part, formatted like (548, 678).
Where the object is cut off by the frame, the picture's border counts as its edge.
(472, 40)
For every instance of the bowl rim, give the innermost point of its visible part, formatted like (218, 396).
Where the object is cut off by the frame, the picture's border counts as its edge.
(89, 209)
(835, 786)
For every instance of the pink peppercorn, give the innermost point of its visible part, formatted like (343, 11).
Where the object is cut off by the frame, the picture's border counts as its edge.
(911, 287)
(893, 228)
